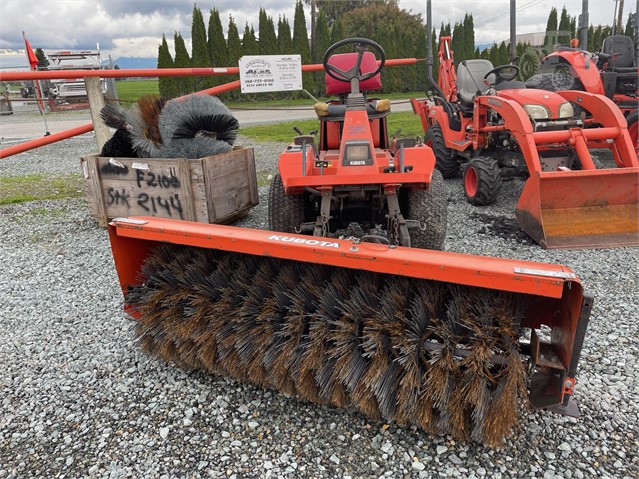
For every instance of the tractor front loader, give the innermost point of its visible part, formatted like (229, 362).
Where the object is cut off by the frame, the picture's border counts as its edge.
(613, 72)
(452, 343)
(486, 123)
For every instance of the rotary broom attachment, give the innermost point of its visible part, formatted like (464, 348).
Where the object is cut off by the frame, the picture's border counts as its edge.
(446, 357)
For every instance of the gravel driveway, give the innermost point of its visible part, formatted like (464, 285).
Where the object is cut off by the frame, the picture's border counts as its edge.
(79, 400)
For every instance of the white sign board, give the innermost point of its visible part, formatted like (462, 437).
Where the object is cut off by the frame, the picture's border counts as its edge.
(270, 73)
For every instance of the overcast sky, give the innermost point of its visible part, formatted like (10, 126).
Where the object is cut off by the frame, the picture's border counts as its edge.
(134, 28)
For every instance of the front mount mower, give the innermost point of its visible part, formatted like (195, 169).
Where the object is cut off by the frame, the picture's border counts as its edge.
(356, 174)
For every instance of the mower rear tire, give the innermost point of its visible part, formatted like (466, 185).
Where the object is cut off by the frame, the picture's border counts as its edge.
(430, 208)
(482, 181)
(285, 212)
(445, 159)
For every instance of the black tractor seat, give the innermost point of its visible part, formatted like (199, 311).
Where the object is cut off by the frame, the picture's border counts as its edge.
(470, 81)
(619, 51)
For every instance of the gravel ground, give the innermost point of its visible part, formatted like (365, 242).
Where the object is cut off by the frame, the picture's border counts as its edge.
(79, 399)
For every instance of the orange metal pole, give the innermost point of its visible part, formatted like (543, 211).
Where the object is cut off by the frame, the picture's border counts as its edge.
(155, 72)
(46, 140)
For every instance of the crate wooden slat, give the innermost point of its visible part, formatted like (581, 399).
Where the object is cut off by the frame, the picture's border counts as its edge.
(214, 189)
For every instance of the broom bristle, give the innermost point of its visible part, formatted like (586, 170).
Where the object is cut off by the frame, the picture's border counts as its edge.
(382, 344)
(150, 107)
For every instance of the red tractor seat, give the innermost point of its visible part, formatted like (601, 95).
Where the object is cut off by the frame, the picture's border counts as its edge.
(346, 61)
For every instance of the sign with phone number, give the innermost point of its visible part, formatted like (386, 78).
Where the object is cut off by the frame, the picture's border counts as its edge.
(266, 73)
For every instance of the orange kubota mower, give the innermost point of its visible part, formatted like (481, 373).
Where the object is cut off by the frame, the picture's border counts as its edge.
(449, 342)
(490, 125)
(356, 175)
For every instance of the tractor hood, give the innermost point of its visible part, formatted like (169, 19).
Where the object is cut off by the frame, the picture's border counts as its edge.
(551, 101)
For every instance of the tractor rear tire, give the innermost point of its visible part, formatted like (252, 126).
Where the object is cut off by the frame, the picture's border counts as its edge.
(633, 129)
(558, 81)
(482, 181)
(445, 159)
(430, 208)
(285, 212)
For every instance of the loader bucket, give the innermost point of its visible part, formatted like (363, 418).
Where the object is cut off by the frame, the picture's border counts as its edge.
(409, 335)
(581, 209)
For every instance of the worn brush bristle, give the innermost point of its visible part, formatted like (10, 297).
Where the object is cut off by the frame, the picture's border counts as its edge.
(114, 116)
(388, 346)
(141, 137)
(150, 107)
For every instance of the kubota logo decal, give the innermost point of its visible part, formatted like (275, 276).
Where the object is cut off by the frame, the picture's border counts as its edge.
(310, 242)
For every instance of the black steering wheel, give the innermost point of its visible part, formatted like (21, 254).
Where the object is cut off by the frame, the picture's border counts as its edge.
(361, 46)
(503, 73)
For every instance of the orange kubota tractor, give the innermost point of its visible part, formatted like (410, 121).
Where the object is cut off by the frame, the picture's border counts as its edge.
(486, 123)
(356, 174)
(452, 343)
(613, 72)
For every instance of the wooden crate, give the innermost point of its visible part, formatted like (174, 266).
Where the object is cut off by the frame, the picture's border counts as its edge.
(214, 189)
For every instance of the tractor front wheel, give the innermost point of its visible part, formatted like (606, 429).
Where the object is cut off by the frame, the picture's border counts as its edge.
(285, 212)
(482, 181)
(445, 159)
(430, 208)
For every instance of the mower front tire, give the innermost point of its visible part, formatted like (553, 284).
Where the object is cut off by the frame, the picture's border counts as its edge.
(482, 181)
(285, 212)
(430, 208)
(445, 159)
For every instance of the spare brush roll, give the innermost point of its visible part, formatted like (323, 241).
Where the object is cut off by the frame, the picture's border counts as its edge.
(120, 144)
(439, 356)
(198, 115)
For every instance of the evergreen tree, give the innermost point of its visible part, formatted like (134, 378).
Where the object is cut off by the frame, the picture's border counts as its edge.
(200, 50)
(421, 69)
(234, 49)
(322, 42)
(591, 39)
(267, 41)
(445, 30)
(406, 75)
(457, 44)
(629, 30)
(300, 43)
(249, 42)
(503, 57)
(564, 34)
(43, 61)
(182, 60)
(167, 85)
(337, 32)
(551, 30)
(217, 45)
(386, 37)
(469, 36)
(284, 40)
